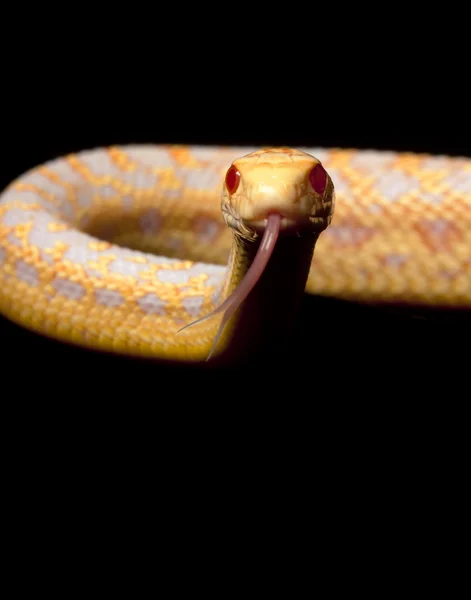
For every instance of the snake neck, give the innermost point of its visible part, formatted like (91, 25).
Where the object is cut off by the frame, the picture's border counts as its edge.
(265, 320)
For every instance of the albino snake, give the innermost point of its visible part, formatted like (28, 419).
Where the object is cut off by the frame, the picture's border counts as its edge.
(118, 249)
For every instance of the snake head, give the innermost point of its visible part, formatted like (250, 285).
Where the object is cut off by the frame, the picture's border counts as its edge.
(288, 182)
(265, 193)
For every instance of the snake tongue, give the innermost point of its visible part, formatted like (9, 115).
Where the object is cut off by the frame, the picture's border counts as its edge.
(234, 300)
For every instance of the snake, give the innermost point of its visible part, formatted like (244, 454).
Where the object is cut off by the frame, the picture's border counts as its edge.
(190, 253)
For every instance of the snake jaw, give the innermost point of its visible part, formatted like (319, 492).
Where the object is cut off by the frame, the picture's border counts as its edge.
(236, 224)
(290, 221)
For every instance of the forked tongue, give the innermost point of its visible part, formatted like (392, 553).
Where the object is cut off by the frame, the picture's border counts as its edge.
(234, 300)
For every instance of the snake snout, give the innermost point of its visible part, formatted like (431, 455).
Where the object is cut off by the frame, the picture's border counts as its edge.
(269, 199)
(285, 204)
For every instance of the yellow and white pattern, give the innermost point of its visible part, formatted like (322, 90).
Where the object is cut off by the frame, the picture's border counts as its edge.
(117, 248)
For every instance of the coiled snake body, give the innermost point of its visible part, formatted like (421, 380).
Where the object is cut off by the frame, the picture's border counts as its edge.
(119, 248)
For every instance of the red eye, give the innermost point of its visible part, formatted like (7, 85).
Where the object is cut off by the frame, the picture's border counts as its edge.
(318, 178)
(232, 179)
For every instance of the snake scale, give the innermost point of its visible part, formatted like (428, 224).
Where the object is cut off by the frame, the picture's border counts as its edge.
(120, 248)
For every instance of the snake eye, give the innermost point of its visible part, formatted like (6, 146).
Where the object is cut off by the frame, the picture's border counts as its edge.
(232, 179)
(318, 178)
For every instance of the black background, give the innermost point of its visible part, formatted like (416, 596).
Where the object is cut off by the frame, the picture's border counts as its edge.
(365, 425)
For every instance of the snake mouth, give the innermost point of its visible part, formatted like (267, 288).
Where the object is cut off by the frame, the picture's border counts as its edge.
(286, 224)
(251, 229)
